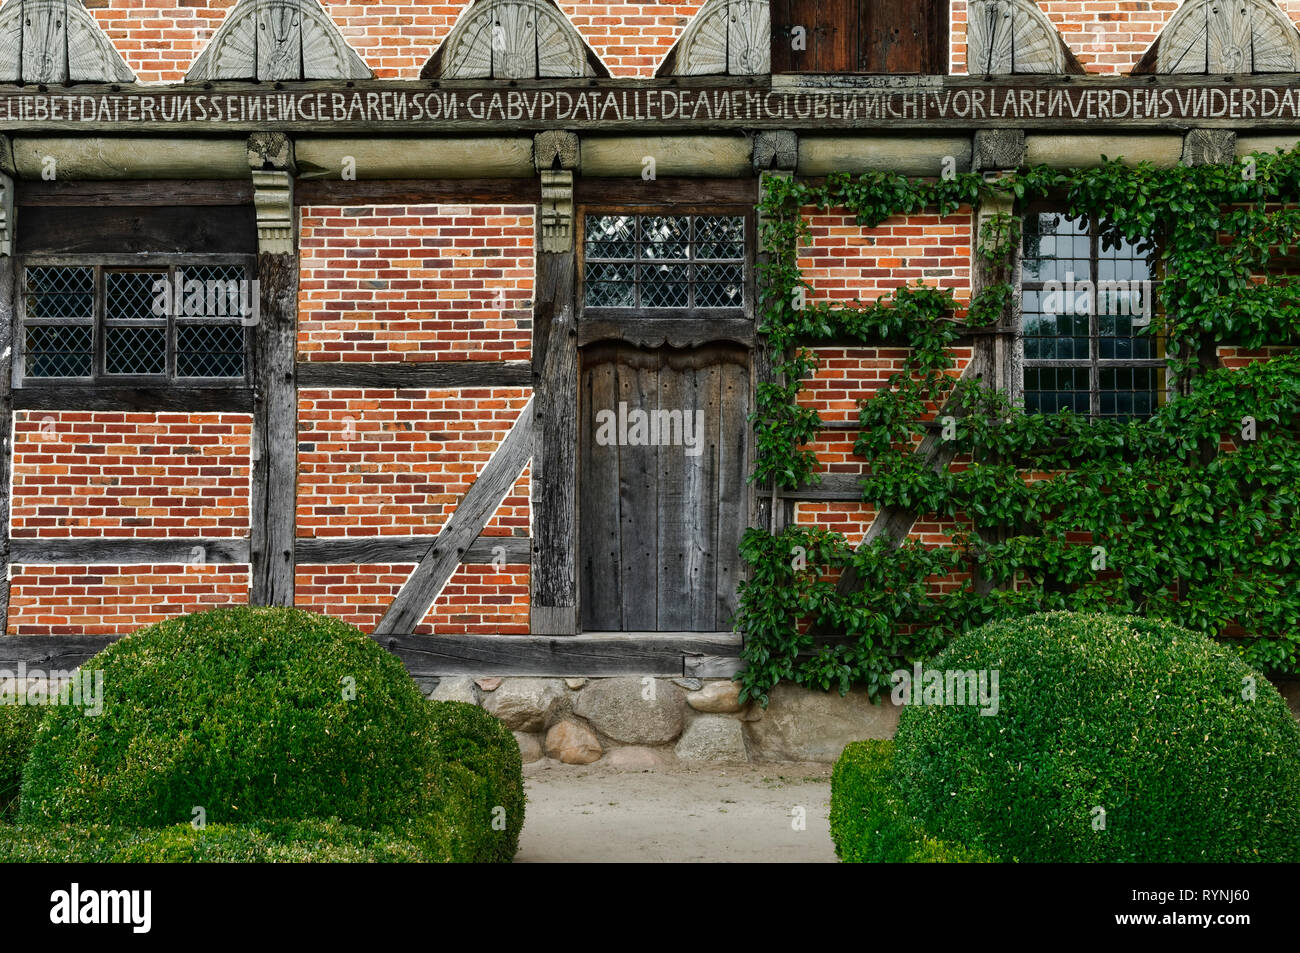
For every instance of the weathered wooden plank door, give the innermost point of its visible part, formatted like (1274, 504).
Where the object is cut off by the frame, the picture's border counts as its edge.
(859, 36)
(902, 36)
(662, 486)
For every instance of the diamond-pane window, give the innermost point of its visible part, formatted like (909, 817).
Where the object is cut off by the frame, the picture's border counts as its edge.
(140, 351)
(55, 350)
(135, 295)
(95, 321)
(209, 350)
(1087, 318)
(664, 262)
(60, 292)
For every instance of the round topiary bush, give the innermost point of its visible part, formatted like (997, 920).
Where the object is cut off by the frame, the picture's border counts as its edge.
(17, 735)
(1114, 739)
(247, 714)
(481, 780)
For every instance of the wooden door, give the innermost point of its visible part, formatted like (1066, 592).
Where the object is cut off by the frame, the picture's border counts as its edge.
(902, 36)
(860, 36)
(662, 491)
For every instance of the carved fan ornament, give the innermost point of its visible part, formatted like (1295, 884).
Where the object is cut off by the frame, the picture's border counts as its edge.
(274, 40)
(512, 39)
(1011, 36)
(56, 41)
(1241, 36)
(726, 37)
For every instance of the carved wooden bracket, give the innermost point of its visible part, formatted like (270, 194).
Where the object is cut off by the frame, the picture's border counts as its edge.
(1014, 36)
(729, 37)
(273, 200)
(271, 40)
(6, 216)
(1209, 36)
(56, 41)
(513, 39)
(557, 210)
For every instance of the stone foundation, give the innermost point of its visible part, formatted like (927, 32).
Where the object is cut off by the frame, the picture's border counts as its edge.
(636, 724)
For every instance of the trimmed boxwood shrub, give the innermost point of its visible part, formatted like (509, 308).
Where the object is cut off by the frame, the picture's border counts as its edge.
(250, 714)
(870, 822)
(1191, 755)
(17, 734)
(259, 842)
(481, 779)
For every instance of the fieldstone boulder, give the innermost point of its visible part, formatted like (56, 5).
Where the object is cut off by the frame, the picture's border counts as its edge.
(488, 684)
(455, 690)
(572, 742)
(575, 683)
(524, 704)
(619, 708)
(637, 758)
(802, 724)
(712, 738)
(530, 748)
(716, 697)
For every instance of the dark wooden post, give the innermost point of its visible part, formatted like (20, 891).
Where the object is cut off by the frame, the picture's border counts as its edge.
(996, 152)
(776, 154)
(8, 291)
(275, 388)
(555, 387)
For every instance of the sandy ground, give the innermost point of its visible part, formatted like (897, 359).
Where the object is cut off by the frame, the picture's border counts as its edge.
(726, 813)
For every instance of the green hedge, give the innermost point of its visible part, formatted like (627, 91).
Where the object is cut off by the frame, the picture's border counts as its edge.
(1190, 754)
(245, 713)
(481, 779)
(17, 735)
(869, 820)
(273, 715)
(261, 842)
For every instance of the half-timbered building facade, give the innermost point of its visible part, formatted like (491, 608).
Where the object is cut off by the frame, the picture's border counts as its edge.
(442, 317)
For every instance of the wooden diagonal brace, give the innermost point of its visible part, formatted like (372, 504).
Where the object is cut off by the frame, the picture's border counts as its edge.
(462, 528)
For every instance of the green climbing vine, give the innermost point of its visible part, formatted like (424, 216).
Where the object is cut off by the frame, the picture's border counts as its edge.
(1190, 515)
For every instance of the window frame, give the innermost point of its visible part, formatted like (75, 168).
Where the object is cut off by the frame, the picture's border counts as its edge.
(99, 321)
(1165, 390)
(745, 312)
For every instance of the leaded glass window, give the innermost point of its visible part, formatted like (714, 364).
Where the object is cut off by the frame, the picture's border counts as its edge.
(160, 323)
(1088, 321)
(664, 262)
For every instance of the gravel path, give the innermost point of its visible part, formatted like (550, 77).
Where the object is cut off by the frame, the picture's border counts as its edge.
(731, 813)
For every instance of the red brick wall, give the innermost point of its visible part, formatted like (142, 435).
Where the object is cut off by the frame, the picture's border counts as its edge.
(394, 463)
(78, 473)
(84, 474)
(846, 260)
(480, 598)
(428, 283)
(109, 600)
